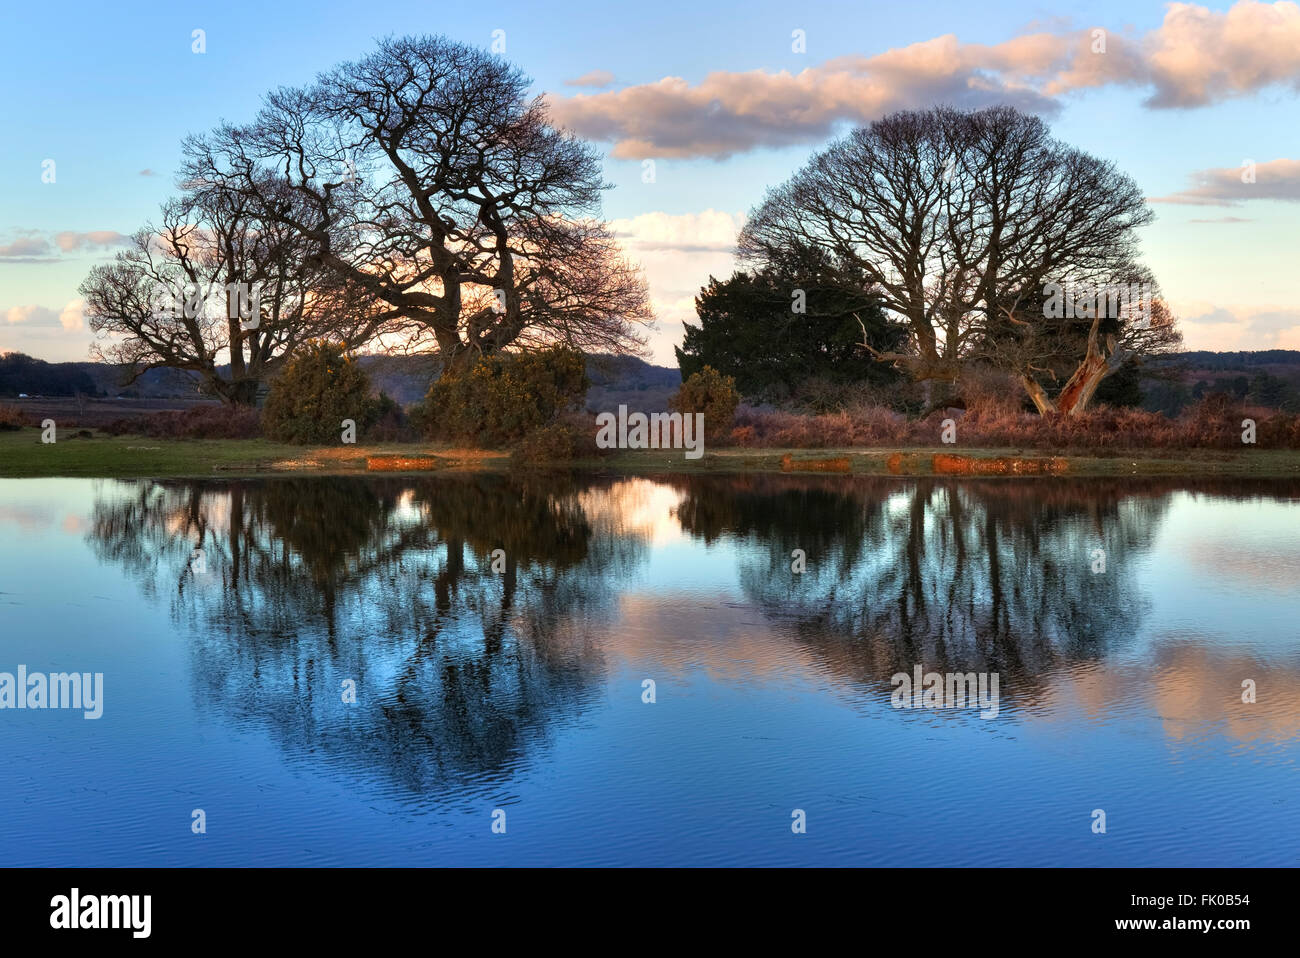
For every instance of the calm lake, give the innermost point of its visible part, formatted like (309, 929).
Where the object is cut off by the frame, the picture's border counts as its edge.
(233, 621)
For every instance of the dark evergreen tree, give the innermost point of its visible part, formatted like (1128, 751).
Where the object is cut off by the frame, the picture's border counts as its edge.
(779, 327)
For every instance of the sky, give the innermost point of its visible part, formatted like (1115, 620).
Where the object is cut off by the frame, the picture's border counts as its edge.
(1199, 104)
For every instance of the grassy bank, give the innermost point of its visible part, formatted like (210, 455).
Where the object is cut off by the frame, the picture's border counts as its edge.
(22, 454)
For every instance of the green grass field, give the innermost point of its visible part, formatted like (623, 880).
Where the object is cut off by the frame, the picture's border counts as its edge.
(22, 454)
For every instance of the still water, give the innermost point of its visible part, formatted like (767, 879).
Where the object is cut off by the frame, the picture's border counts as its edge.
(515, 682)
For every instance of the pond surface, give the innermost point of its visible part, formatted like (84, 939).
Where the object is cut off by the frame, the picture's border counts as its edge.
(1122, 618)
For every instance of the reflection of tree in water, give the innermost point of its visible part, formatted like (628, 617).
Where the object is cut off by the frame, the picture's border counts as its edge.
(956, 575)
(308, 582)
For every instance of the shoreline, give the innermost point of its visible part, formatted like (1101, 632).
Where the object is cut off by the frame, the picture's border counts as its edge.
(22, 455)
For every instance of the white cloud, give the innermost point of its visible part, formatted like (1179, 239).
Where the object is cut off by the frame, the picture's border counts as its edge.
(26, 314)
(73, 315)
(709, 231)
(678, 252)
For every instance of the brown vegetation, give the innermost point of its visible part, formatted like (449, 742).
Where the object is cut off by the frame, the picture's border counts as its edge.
(947, 464)
(209, 421)
(790, 464)
(11, 418)
(400, 463)
(1214, 424)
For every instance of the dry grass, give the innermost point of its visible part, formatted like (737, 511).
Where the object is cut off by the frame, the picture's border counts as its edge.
(1214, 424)
(400, 463)
(837, 464)
(11, 418)
(208, 421)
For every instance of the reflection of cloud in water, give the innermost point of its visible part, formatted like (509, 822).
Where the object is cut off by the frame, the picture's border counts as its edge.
(1273, 566)
(727, 640)
(641, 507)
(1192, 688)
(27, 518)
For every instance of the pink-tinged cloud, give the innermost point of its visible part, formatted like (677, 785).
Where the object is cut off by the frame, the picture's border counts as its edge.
(25, 248)
(1196, 57)
(1200, 56)
(32, 246)
(69, 241)
(35, 315)
(592, 78)
(1232, 186)
(730, 113)
(71, 317)
(1214, 326)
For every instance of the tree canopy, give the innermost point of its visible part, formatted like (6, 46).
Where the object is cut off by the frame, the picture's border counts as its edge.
(961, 221)
(424, 176)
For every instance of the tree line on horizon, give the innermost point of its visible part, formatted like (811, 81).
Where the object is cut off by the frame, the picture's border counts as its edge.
(419, 200)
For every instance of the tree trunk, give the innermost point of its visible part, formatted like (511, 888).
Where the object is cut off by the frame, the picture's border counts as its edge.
(1095, 367)
(1038, 395)
(1079, 389)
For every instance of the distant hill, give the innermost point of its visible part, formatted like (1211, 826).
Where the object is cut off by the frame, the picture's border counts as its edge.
(1266, 377)
(626, 380)
(616, 379)
(23, 374)
(1269, 377)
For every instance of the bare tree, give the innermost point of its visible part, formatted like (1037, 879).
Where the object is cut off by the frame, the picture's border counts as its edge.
(425, 178)
(216, 290)
(961, 220)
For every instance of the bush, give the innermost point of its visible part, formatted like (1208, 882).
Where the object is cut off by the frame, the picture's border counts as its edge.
(711, 393)
(215, 421)
(992, 393)
(319, 388)
(504, 398)
(556, 442)
(11, 418)
(385, 421)
(1214, 422)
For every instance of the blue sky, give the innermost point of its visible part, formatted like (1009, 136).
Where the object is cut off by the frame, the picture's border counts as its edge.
(108, 92)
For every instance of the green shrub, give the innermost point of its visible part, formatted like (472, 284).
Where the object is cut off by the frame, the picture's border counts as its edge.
(504, 397)
(386, 421)
(709, 392)
(555, 443)
(319, 388)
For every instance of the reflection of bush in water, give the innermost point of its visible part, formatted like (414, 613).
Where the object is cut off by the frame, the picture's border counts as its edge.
(957, 575)
(459, 670)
